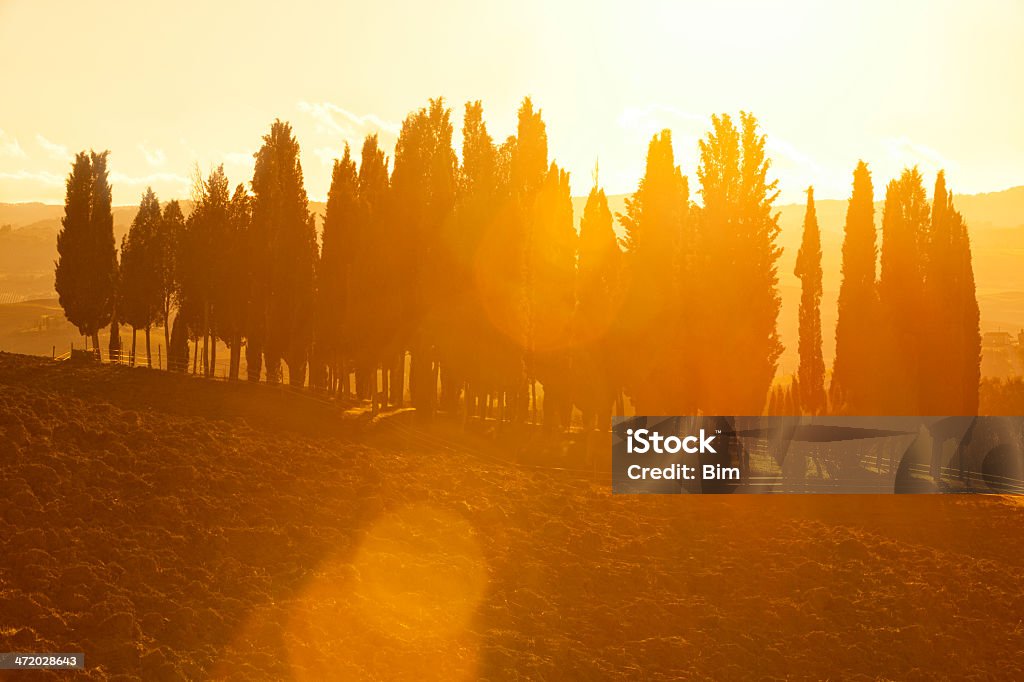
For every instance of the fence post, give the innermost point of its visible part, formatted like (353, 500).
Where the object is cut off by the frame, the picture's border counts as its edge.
(159, 357)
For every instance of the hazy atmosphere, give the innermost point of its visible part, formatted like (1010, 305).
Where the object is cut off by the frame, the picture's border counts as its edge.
(928, 83)
(327, 331)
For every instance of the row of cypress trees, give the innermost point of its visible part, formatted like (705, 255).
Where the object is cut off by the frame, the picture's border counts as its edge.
(470, 270)
(908, 337)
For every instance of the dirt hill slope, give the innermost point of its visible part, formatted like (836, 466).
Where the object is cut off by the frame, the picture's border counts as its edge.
(173, 528)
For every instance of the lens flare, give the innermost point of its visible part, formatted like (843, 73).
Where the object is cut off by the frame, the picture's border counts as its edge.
(400, 608)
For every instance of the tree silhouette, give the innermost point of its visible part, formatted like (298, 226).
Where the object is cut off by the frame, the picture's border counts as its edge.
(903, 310)
(661, 285)
(598, 302)
(811, 372)
(85, 272)
(423, 185)
(231, 293)
(855, 372)
(469, 343)
(333, 335)
(379, 298)
(529, 169)
(476, 272)
(551, 296)
(202, 276)
(139, 299)
(499, 281)
(738, 241)
(952, 353)
(284, 242)
(166, 245)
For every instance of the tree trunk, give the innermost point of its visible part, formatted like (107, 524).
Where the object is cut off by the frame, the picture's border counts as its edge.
(167, 332)
(435, 371)
(253, 359)
(398, 381)
(149, 354)
(213, 352)
(96, 341)
(236, 357)
(533, 402)
(131, 360)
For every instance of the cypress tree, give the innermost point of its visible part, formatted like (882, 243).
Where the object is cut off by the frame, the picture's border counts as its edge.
(471, 345)
(658, 233)
(232, 295)
(551, 297)
(528, 170)
(969, 327)
(500, 265)
(854, 374)
(334, 273)
(85, 272)
(952, 355)
(598, 300)
(380, 302)
(139, 285)
(901, 294)
(811, 372)
(284, 240)
(203, 268)
(740, 296)
(424, 195)
(166, 245)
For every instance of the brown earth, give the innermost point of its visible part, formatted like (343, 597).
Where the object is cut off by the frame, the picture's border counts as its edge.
(175, 528)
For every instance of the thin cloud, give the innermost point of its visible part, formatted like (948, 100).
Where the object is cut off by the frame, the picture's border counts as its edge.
(151, 179)
(43, 177)
(238, 158)
(655, 118)
(10, 147)
(332, 118)
(327, 155)
(52, 149)
(154, 157)
(907, 152)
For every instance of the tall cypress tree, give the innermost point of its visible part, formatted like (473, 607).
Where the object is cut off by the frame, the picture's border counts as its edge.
(334, 275)
(232, 298)
(139, 299)
(952, 355)
(528, 170)
(382, 254)
(740, 299)
(811, 372)
(658, 233)
(969, 322)
(203, 275)
(284, 239)
(854, 374)
(86, 268)
(470, 346)
(551, 297)
(901, 294)
(500, 265)
(167, 243)
(424, 194)
(598, 300)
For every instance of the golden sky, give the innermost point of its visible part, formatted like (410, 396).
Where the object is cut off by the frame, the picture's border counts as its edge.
(168, 85)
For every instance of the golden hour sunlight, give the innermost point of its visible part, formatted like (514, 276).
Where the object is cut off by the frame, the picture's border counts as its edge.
(652, 340)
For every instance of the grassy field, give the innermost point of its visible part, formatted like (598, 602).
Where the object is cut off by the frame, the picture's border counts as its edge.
(175, 528)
